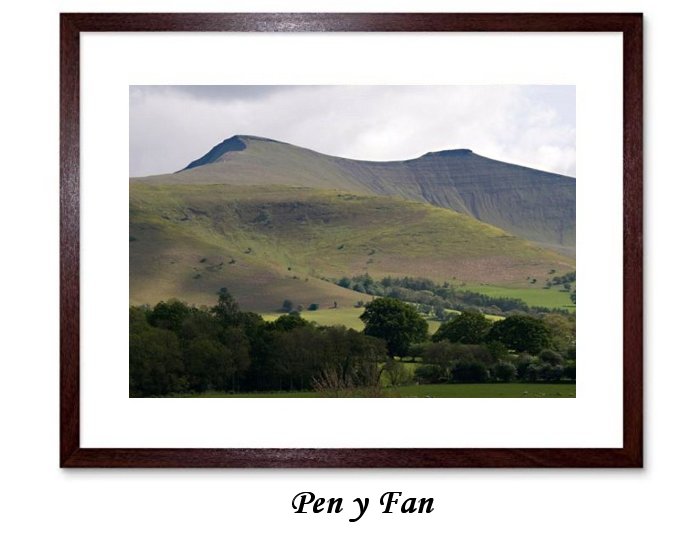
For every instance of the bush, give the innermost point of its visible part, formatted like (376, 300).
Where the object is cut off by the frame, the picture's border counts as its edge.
(549, 357)
(522, 364)
(429, 374)
(552, 373)
(504, 372)
(470, 372)
(397, 373)
(544, 373)
(287, 305)
(313, 307)
(533, 372)
(569, 372)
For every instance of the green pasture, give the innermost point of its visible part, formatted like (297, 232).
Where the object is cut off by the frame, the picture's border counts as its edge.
(470, 390)
(349, 317)
(533, 296)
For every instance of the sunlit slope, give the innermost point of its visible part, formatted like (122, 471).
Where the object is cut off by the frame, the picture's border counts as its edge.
(531, 204)
(270, 243)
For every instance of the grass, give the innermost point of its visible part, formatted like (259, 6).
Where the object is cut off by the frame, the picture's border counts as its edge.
(532, 296)
(267, 244)
(348, 317)
(471, 390)
(507, 195)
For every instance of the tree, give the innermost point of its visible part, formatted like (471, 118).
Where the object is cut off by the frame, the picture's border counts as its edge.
(289, 322)
(521, 333)
(226, 309)
(236, 341)
(287, 305)
(206, 364)
(469, 327)
(562, 329)
(155, 360)
(396, 322)
(169, 315)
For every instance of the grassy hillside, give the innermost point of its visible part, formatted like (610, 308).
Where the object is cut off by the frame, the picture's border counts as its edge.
(270, 243)
(529, 203)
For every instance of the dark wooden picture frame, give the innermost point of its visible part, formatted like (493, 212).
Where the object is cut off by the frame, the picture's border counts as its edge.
(73, 455)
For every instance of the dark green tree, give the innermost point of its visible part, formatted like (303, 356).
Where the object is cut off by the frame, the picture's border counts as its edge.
(396, 322)
(469, 327)
(521, 333)
(289, 321)
(226, 310)
(169, 315)
(207, 364)
(155, 360)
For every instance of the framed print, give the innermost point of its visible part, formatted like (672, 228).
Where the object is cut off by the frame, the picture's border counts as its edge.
(355, 240)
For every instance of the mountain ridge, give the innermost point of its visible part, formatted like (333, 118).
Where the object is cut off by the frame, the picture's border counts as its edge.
(533, 204)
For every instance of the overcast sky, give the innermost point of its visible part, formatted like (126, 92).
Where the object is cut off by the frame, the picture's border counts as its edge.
(170, 126)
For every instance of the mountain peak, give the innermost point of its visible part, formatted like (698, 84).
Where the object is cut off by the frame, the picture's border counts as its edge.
(449, 153)
(235, 143)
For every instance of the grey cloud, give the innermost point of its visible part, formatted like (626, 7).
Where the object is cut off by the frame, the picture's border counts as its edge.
(532, 125)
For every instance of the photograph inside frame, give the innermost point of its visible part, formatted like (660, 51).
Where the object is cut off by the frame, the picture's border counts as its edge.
(352, 241)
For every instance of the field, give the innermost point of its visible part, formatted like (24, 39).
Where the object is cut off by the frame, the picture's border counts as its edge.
(348, 317)
(472, 390)
(532, 296)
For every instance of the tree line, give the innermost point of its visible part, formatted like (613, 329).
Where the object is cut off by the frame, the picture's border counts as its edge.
(176, 348)
(435, 298)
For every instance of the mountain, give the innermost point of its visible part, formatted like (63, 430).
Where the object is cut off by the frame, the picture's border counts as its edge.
(532, 204)
(274, 242)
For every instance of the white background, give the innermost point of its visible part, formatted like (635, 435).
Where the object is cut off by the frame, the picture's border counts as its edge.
(109, 62)
(43, 503)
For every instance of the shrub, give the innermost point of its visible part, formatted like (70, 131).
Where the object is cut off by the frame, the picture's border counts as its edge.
(522, 365)
(429, 374)
(470, 372)
(397, 373)
(504, 372)
(569, 372)
(549, 357)
(313, 307)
